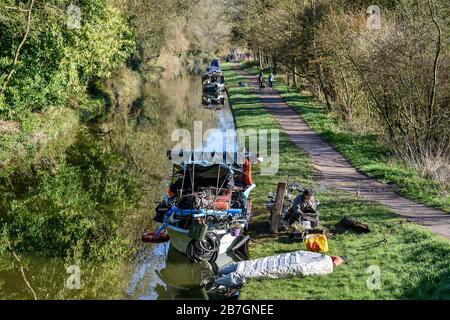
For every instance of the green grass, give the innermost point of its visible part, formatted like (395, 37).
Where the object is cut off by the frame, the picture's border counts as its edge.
(250, 114)
(364, 151)
(413, 264)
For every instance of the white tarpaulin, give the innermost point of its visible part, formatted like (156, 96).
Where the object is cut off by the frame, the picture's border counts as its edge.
(302, 263)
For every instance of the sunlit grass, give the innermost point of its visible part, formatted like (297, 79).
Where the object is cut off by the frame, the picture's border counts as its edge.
(365, 151)
(413, 262)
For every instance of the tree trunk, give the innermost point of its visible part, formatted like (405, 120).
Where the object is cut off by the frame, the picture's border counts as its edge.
(316, 58)
(433, 93)
(260, 60)
(19, 48)
(274, 65)
(294, 76)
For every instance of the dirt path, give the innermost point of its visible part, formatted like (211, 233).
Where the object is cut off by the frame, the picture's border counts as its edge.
(335, 171)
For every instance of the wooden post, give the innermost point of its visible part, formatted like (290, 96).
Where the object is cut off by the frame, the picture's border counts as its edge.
(278, 207)
(288, 82)
(294, 76)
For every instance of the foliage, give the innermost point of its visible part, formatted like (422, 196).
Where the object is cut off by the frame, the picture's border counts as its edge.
(57, 63)
(71, 161)
(365, 150)
(392, 82)
(177, 35)
(78, 209)
(413, 262)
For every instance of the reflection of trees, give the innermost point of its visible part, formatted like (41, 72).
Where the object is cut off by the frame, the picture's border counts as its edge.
(179, 36)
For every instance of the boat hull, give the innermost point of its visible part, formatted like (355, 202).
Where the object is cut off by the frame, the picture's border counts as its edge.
(179, 239)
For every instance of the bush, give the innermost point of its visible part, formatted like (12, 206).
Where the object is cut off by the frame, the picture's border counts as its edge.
(77, 210)
(56, 63)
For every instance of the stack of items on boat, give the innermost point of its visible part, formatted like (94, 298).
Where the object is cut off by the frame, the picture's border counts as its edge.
(213, 101)
(206, 209)
(213, 82)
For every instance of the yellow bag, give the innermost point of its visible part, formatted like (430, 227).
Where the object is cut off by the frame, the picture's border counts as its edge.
(316, 242)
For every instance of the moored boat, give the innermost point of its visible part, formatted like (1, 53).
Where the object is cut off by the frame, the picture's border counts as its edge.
(213, 79)
(206, 209)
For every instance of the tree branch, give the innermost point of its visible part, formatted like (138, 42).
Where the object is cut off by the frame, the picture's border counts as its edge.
(22, 271)
(435, 66)
(19, 48)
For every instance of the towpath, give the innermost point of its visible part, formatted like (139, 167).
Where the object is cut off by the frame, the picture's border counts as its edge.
(336, 172)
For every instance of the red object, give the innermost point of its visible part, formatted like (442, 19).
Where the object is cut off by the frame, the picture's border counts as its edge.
(337, 261)
(222, 202)
(225, 197)
(171, 193)
(151, 237)
(221, 205)
(315, 247)
(248, 177)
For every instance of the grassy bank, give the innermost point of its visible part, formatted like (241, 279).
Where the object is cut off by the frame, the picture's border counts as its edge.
(413, 263)
(364, 151)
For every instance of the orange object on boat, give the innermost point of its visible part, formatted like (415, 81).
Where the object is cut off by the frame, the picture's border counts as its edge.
(219, 205)
(222, 202)
(248, 175)
(152, 237)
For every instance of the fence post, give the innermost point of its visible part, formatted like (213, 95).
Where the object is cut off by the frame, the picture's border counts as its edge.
(278, 207)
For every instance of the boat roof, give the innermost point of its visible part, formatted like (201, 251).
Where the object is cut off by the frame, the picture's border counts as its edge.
(233, 160)
(215, 62)
(211, 70)
(210, 171)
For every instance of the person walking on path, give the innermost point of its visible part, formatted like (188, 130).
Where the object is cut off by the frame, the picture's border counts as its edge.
(260, 80)
(271, 79)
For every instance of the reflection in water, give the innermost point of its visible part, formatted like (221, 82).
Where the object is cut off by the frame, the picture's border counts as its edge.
(164, 273)
(148, 260)
(161, 272)
(181, 107)
(185, 280)
(144, 137)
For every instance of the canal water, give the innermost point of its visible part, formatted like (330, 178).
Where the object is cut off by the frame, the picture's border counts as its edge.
(154, 271)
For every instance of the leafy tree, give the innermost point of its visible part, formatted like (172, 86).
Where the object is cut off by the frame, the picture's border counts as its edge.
(55, 64)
